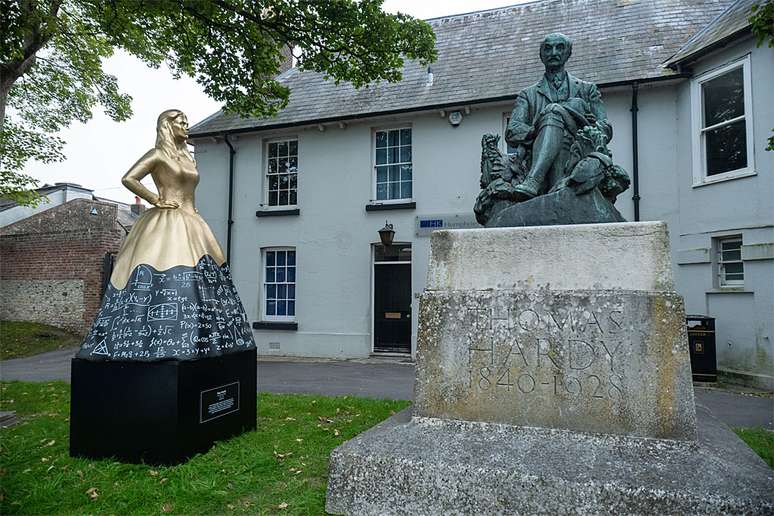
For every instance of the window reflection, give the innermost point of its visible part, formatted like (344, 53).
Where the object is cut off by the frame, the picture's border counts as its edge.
(393, 164)
(724, 127)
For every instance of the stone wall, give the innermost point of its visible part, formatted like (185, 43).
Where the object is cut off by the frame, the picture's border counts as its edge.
(56, 302)
(51, 264)
(75, 215)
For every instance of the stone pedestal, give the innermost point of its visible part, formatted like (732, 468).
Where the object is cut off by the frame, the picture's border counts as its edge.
(571, 327)
(552, 376)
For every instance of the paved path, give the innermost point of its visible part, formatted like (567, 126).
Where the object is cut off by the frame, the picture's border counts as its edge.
(54, 365)
(736, 409)
(377, 380)
(392, 381)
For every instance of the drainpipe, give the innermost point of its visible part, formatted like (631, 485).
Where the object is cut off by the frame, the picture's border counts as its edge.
(231, 153)
(635, 158)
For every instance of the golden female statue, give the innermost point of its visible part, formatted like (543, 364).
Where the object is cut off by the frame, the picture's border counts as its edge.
(170, 294)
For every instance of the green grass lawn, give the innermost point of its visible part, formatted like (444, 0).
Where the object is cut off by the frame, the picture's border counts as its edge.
(22, 339)
(760, 440)
(281, 468)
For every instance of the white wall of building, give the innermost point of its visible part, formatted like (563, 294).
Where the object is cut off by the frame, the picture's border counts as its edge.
(742, 206)
(333, 234)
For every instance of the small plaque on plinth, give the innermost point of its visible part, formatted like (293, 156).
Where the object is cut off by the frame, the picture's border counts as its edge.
(219, 401)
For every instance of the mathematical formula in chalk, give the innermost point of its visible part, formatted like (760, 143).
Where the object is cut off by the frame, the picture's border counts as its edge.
(182, 313)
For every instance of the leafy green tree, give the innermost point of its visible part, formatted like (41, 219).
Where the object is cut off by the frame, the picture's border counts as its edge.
(51, 54)
(762, 25)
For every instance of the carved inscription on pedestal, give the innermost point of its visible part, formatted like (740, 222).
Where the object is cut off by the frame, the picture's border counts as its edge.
(598, 361)
(571, 352)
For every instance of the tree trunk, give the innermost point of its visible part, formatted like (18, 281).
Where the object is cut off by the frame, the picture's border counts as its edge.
(9, 74)
(35, 38)
(4, 90)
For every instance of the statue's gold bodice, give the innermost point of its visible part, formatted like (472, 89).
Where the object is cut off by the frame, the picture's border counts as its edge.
(176, 180)
(164, 237)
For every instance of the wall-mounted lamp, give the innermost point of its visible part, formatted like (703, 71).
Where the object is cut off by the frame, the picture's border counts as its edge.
(386, 234)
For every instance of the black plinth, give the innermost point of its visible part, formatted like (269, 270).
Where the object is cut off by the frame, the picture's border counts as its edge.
(160, 412)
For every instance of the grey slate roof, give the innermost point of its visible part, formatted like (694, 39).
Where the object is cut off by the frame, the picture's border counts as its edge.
(125, 217)
(732, 21)
(493, 54)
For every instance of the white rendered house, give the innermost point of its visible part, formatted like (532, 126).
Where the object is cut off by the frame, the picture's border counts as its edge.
(298, 199)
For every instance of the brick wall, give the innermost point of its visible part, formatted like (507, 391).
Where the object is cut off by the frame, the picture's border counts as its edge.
(51, 264)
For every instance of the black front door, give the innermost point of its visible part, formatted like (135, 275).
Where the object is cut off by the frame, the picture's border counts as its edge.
(392, 307)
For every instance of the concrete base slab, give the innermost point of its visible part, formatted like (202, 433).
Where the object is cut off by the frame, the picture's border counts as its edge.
(762, 382)
(434, 466)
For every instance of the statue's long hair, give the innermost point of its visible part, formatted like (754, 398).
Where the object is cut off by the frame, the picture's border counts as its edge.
(165, 140)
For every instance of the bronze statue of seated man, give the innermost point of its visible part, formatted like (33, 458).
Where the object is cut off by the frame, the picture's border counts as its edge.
(560, 131)
(547, 116)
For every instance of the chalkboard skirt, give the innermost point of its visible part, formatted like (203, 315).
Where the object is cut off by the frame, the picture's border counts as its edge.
(181, 313)
(160, 412)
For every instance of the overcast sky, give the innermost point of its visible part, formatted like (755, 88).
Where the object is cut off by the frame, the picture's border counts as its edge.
(101, 151)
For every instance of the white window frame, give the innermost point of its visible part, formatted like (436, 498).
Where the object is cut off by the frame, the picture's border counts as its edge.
(373, 165)
(265, 172)
(700, 177)
(722, 282)
(264, 297)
